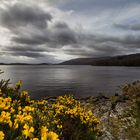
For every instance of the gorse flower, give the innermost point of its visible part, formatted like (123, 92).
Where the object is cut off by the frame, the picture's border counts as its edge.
(52, 136)
(28, 109)
(43, 120)
(18, 85)
(23, 118)
(5, 103)
(45, 135)
(24, 94)
(44, 132)
(1, 135)
(5, 118)
(28, 131)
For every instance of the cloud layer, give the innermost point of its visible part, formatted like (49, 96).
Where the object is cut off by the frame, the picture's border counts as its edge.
(54, 31)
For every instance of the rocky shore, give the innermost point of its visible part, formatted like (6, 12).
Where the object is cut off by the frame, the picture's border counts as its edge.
(113, 115)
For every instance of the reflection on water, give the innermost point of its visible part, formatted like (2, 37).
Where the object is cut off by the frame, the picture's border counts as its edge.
(80, 81)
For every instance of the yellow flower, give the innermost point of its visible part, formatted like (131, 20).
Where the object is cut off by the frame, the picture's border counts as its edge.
(28, 109)
(44, 131)
(24, 93)
(23, 118)
(43, 102)
(28, 131)
(35, 139)
(19, 108)
(59, 126)
(5, 103)
(45, 135)
(8, 99)
(2, 105)
(1, 135)
(16, 125)
(52, 136)
(0, 92)
(12, 110)
(5, 118)
(28, 118)
(19, 84)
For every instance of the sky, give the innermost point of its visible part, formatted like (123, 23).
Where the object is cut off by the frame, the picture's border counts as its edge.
(52, 31)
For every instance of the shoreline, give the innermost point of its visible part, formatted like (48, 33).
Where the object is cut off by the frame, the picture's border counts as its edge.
(114, 112)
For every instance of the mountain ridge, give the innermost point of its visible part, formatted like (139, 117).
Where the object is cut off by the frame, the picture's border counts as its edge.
(120, 60)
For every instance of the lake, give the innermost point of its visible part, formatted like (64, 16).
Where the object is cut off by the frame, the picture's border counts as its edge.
(81, 81)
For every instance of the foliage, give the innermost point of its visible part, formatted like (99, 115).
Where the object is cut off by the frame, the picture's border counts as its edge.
(24, 119)
(133, 92)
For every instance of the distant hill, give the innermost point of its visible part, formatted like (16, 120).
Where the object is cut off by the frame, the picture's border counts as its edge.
(123, 60)
(23, 64)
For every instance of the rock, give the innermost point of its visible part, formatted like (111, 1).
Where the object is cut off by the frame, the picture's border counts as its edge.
(112, 113)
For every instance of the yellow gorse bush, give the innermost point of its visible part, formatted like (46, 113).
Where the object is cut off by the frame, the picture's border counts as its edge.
(1, 135)
(24, 119)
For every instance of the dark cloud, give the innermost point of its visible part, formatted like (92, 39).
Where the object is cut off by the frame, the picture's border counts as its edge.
(37, 49)
(79, 52)
(101, 45)
(113, 40)
(28, 51)
(133, 46)
(25, 53)
(135, 27)
(28, 54)
(38, 54)
(27, 41)
(65, 36)
(108, 50)
(61, 25)
(33, 40)
(131, 39)
(99, 52)
(22, 15)
(61, 34)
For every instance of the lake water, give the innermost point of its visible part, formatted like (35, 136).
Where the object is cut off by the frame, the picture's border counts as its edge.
(81, 81)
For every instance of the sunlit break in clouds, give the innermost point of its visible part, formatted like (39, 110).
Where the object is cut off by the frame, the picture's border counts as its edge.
(52, 31)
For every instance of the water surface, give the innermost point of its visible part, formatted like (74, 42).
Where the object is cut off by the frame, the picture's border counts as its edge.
(81, 81)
